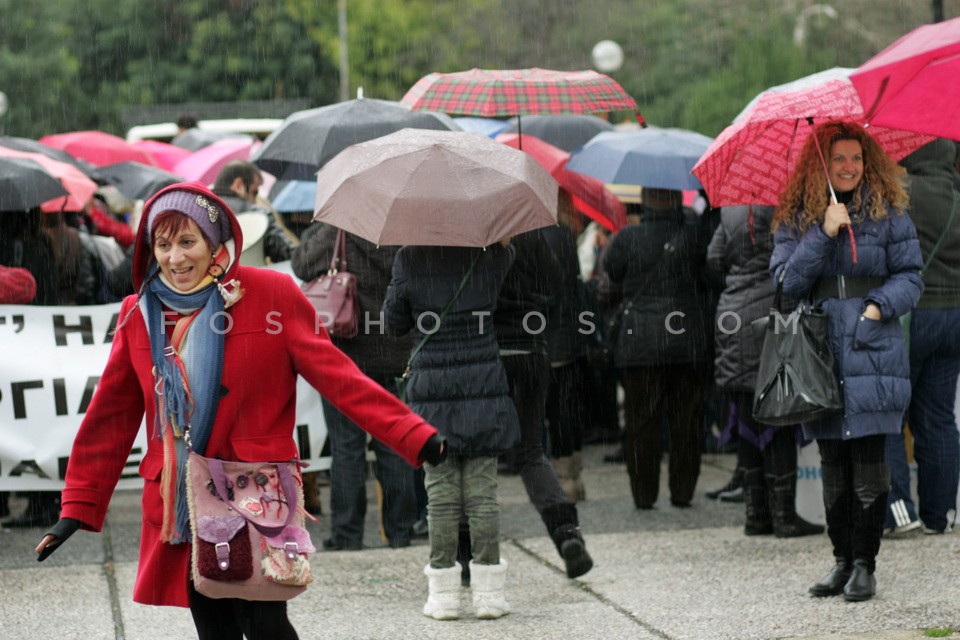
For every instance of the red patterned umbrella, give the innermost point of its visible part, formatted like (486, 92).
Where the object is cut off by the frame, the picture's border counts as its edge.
(750, 161)
(590, 196)
(491, 94)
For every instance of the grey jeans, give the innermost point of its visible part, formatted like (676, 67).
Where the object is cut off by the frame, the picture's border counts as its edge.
(463, 486)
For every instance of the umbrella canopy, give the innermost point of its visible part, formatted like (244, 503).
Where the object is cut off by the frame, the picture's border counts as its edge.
(308, 139)
(496, 93)
(79, 188)
(912, 83)
(296, 195)
(590, 196)
(567, 131)
(489, 127)
(98, 148)
(652, 157)
(204, 165)
(32, 146)
(134, 180)
(166, 155)
(439, 188)
(195, 139)
(24, 184)
(751, 159)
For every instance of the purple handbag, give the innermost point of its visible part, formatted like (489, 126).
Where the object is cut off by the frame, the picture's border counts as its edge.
(334, 294)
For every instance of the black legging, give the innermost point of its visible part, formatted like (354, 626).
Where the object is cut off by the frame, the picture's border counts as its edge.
(232, 619)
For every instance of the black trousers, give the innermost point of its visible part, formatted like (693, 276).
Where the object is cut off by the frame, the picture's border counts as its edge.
(856, 481)
(674, 392)
(234, 619)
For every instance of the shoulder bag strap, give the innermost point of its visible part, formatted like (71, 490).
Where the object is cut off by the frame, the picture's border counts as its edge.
(443, 314)
(946, 229)
(339, 259)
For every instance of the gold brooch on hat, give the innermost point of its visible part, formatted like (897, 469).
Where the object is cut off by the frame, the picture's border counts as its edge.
(212, 212)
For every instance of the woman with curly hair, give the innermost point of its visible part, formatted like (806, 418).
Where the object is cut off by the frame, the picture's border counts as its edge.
(858, 258)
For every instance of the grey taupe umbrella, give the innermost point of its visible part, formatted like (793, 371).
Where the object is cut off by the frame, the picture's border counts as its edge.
(308, 139)
(135, 180)
(438, 188)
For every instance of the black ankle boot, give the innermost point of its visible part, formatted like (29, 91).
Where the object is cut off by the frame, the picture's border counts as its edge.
(572, 549)
(759, 522)
(833, 583)
(783, 499)
(862, 584)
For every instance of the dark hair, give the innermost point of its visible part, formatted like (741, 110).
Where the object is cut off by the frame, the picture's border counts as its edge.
(186, 121)
(170, 223)
(242, 169)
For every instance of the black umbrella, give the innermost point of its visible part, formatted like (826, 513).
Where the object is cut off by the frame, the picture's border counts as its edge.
(134, 179)
(308, 139)
(565, 131)
(196, 139)
(32, 146)
(24, 184)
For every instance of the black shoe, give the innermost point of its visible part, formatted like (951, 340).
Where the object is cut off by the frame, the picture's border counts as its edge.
(758, 528)
(730, 492)
(796, 529)
(420, 529)
(572, 549)
(680, 504)
(617, 457)
(833, 583)
(862, 584)
(331, 544)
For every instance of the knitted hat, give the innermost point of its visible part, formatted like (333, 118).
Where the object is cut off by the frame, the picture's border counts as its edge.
(211, 219)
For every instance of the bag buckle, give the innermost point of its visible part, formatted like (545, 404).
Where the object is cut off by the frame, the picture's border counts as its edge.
(223, 555)
(291, 549)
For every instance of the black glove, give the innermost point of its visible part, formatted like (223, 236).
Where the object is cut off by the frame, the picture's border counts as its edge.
(64, 528)
(435, 450)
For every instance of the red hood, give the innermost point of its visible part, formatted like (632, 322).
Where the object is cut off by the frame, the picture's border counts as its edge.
(142, 256)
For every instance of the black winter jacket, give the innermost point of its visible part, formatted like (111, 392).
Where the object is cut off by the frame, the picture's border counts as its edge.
(565, 343)
(530, 285)
(741, 250)
(374, 349)
(661, 264)
(457, 382)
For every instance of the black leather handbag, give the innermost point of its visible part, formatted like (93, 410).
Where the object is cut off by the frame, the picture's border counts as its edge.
(796, 381)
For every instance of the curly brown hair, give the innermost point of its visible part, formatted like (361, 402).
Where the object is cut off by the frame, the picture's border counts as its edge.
(804, 201)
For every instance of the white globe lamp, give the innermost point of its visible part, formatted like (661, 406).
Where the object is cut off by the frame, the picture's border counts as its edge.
(607, 56)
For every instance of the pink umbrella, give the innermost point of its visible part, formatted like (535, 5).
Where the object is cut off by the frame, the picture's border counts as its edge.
(590, 196)
(167, 155)
(911, 84)
(98, 148)
(750, 161)
(79, 187)
(204, 165)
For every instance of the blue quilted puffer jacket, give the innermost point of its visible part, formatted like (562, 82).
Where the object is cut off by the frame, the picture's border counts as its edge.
(872, 360)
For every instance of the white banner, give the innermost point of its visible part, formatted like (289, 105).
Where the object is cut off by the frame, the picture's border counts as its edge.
(51, 359)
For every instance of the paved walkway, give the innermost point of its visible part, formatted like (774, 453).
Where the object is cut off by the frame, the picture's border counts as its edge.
(664, 574)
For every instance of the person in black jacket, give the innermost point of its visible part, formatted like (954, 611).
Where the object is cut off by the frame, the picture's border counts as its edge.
(767, 455)
(457, 382)
(934, 351)
(662, 346)
(381, 357)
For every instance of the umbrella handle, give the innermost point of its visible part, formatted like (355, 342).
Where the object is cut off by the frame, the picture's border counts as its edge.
(640, 120)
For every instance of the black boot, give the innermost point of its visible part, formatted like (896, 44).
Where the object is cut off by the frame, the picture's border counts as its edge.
(833, 583)
(43, 510)
(862, 584)
(759, 522)
(564, 527)
(733, 491)
(464, 554)
(783, 500)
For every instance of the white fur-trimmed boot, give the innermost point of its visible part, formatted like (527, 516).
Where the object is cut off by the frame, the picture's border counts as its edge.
(487, 582)
(443, 603)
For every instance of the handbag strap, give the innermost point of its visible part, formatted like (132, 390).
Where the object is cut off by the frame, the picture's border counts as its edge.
(946, 228)
(339, 260)
(287, 484)
(443, 314)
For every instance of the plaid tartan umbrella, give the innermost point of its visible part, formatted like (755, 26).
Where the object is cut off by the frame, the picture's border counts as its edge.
(491, 94)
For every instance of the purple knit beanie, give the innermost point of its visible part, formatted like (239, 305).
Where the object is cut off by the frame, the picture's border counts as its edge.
(211, 219)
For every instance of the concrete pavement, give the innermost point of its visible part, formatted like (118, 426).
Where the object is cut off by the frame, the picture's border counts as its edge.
(665, 574)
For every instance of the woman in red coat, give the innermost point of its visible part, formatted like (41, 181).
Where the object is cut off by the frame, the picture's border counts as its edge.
(218, 346)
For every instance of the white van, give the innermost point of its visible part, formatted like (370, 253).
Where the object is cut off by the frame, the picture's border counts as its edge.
(166, 131)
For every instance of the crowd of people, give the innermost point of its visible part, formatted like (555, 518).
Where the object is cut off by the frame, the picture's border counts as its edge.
(514, 399)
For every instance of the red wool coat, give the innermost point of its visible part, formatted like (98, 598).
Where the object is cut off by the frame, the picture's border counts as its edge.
(274, 336)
